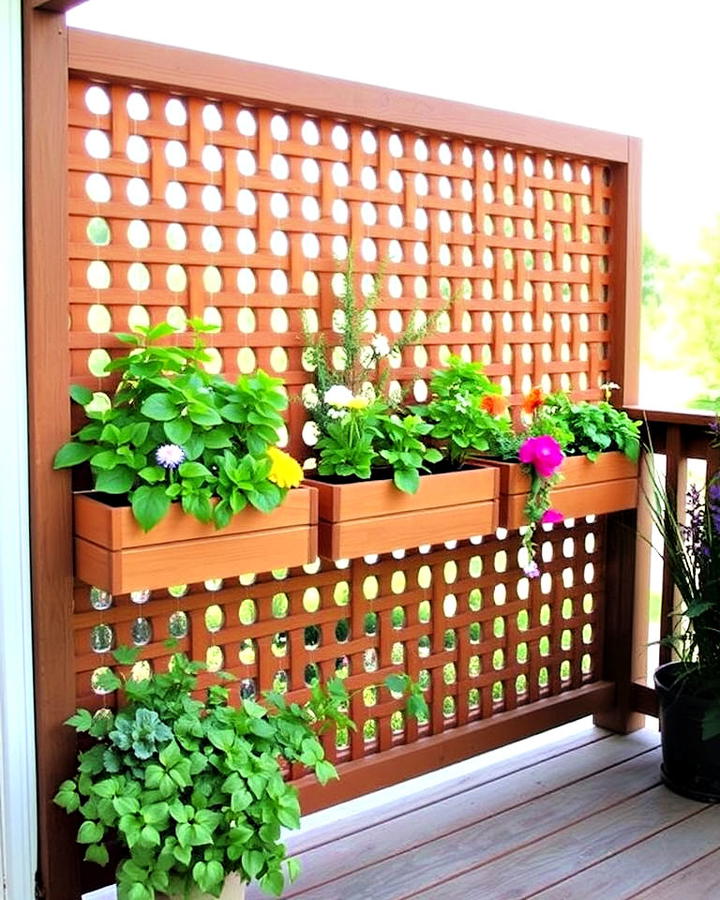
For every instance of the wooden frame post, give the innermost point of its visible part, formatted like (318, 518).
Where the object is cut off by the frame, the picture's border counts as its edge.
(45, 78)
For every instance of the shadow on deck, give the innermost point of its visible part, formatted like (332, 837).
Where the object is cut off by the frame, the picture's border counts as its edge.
(579, 815)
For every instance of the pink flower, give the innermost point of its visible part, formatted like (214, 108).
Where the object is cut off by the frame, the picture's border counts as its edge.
(532, 569)
(552, 517)
(542, 452)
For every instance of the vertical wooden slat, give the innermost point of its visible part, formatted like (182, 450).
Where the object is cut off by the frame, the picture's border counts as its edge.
(675, 486)
(619, 620)
(45, 63)
(626, 238)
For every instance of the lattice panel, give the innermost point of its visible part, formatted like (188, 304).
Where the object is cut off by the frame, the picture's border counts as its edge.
(183, 206)
(186, 206)
(477, 637)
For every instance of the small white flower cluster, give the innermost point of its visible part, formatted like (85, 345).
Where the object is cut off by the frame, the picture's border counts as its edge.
(462, 403)
(381, 346)
(340, 399)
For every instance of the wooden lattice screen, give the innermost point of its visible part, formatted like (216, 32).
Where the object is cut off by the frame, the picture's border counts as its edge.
(206, 187)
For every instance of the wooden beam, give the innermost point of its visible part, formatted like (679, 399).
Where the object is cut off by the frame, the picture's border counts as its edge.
(45, 76)
(188, 71)
(55, 6)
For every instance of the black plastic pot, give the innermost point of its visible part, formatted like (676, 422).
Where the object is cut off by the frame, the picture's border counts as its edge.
(691, 765)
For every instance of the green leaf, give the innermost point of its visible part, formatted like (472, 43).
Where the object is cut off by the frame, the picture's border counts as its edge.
(325, 771)
(397, 683)
(252, 861)
(80, 394)
(126, 806)
(203, 415)
(126, 656)
(170, 755)
(194, 470)
(73, 454)
(81, 721)
(150, 504)
(159, 407)
(177, 431)
(293, 868)
(152, 474)
(90, 833)
(67, 797)
(116, 481)
(273, 882)
(97, 853)
(183, 854)
(407, 480)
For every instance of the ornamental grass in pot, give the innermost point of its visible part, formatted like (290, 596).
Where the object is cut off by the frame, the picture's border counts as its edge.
(192, 791)
(688, 688)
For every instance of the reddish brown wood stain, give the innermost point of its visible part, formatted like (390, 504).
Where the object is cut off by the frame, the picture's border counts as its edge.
(532, 224)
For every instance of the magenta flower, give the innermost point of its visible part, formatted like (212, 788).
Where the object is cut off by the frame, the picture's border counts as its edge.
(169, 456)
(552, 517)
(542, 452)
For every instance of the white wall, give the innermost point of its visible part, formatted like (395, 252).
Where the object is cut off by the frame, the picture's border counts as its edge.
(18, 819)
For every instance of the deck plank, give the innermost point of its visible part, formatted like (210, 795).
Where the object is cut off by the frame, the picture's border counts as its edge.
(343, 820)
(650, 861)
(531, 868)
(699, 881)
(495, 819)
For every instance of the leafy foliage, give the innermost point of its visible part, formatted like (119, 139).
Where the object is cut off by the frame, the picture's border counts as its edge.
(589, 428)
(359, 425)
(461, 424)
(194, 790)
(175, 432)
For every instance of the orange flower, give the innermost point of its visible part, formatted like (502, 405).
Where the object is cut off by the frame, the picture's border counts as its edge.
(533, 400)
(495, 404)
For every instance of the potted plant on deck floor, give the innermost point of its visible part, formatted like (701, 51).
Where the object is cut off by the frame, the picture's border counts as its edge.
(188, 481)
(688, 688)
(191, 791)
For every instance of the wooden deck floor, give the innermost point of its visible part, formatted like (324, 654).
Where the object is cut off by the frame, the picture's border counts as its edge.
(582, 817)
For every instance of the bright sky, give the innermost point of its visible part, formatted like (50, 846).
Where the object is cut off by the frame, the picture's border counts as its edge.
(642, 67)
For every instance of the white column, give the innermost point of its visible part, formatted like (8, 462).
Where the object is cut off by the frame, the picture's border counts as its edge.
(18, 800)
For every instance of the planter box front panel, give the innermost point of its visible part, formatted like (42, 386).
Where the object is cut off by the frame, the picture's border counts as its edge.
(588, 488)
(113, 553)
(375, 517)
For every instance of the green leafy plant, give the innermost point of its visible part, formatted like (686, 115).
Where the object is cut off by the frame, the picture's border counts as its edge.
(175, 432)
(467, 411)
(402, 445)
(193, 790)
(358, 424)
(589, 428)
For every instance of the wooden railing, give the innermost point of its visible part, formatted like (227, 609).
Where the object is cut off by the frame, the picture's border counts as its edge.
(680, 450)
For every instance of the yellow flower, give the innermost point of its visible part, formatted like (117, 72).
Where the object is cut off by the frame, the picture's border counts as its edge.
(358, 403)
(286, 472)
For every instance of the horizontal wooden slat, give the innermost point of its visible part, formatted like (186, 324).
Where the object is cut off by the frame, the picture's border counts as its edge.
(135, 62)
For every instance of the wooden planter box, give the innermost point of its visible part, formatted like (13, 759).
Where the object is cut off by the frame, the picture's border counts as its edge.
(588, 488)
(367, 517)
(113, 553)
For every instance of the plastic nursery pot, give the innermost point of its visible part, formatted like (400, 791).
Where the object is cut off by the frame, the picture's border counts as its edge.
(588, 488)
(365, 517)
(690, 765)
(112, 552)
